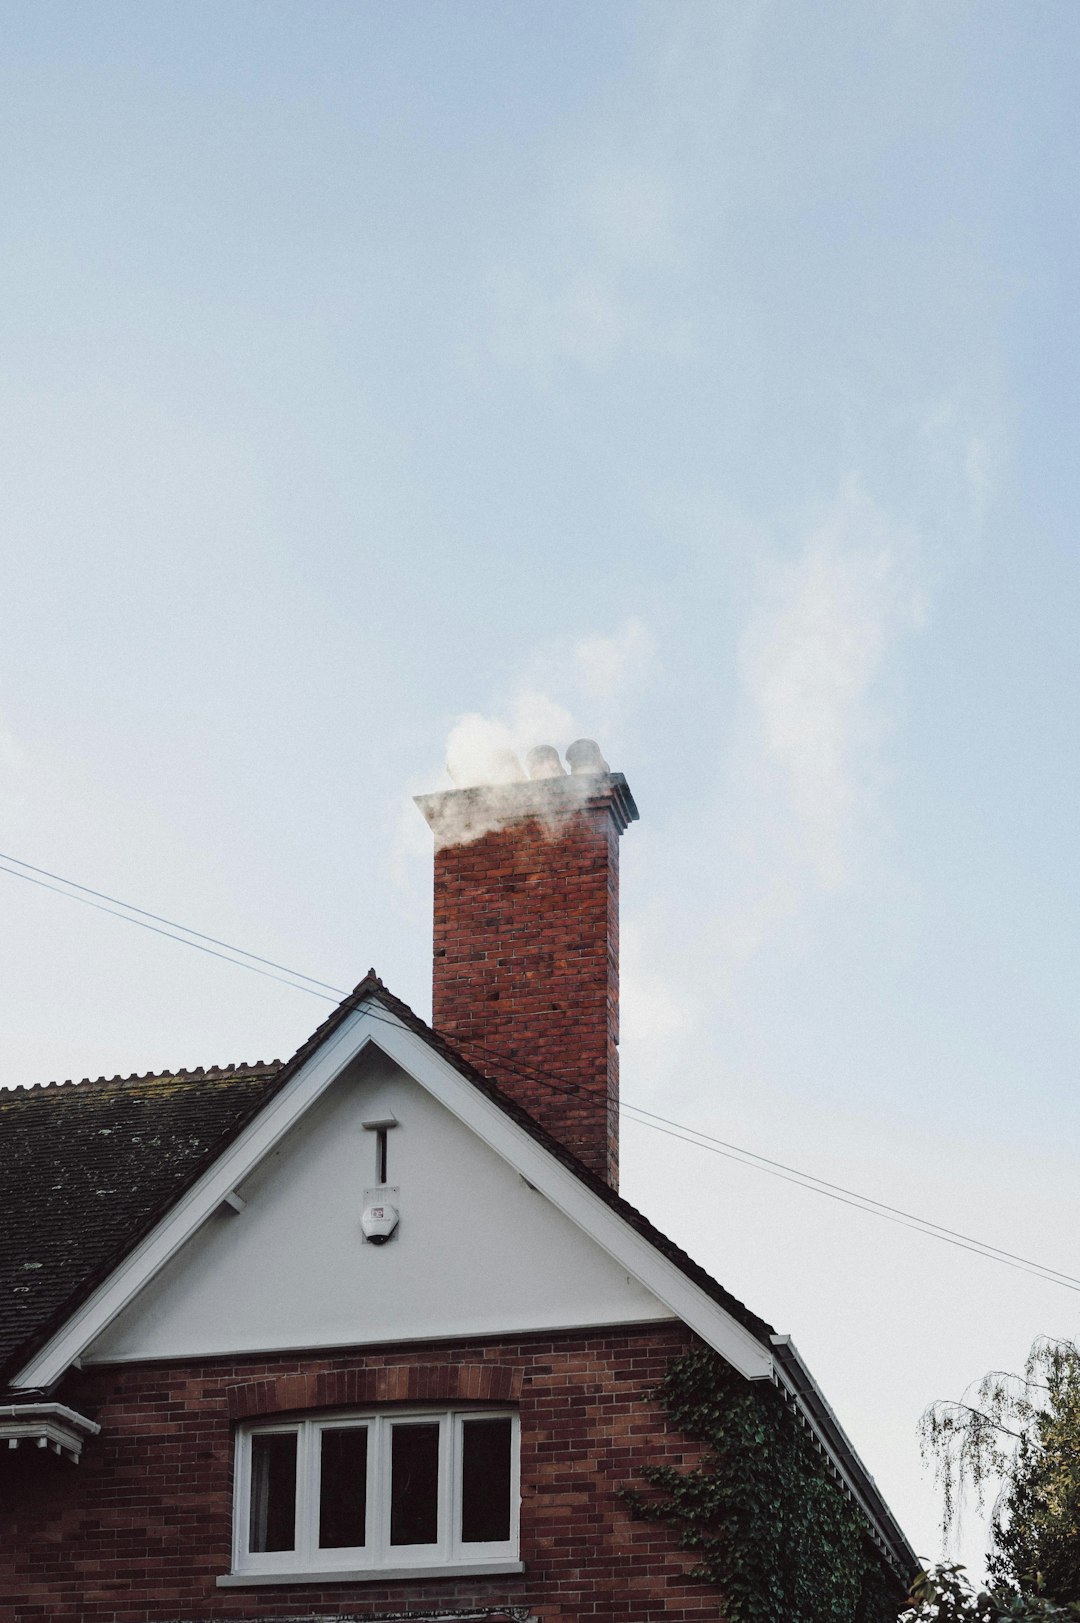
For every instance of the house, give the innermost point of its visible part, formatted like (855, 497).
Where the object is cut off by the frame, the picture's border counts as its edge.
(371, 1333)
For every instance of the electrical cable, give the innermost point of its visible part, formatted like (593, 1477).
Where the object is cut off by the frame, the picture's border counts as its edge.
(708, 1141)
(131, 908)
(183, 940)
(866, 1203)
(645, 1118)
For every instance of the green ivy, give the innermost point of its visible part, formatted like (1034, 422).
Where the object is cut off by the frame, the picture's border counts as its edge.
(773, 1530)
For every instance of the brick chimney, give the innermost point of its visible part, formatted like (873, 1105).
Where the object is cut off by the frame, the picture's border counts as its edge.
(526, 960)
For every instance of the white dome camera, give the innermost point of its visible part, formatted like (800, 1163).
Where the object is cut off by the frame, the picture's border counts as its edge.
(379, 1219)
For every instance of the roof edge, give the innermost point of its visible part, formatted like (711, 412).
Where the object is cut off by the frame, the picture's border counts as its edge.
(796, 1379)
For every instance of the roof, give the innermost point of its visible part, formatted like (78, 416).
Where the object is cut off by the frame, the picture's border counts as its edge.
(88, 1168)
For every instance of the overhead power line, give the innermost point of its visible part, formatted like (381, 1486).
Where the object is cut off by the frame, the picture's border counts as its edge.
(229, 953)
(850, 1197)
(190, 938)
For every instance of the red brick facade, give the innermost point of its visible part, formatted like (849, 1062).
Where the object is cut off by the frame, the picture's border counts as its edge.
(138, 1532)
(526, 967)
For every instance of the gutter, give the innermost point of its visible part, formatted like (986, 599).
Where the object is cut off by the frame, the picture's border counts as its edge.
(814, 1410)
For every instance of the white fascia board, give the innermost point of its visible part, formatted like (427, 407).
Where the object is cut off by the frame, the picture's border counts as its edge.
(445, 1083)
(577, 1201)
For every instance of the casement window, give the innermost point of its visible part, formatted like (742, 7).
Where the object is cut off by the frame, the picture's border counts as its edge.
(379, 1493)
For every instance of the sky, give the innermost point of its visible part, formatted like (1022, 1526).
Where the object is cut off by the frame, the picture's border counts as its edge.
(378, 380)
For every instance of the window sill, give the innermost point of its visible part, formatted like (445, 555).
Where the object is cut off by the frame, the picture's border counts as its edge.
(371, 1575)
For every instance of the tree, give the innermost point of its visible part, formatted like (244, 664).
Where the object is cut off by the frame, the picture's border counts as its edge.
(1023, 1433)
(946, 1596)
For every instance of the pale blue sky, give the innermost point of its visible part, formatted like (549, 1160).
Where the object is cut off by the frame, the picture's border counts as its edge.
(701, 377)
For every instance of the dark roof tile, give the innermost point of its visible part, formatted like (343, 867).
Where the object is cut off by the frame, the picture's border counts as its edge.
(86, 1168)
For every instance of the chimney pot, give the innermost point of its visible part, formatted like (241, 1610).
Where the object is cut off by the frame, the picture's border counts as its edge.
(584, 756)
(543, 762)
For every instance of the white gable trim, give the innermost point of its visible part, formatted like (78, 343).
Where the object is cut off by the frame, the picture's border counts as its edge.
(556, 1182)
(577, 1201)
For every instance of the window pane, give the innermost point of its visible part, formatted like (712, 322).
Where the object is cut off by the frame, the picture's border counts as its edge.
(414, 1485)
(343, 1488)
(273, 1491)
(485, 1481)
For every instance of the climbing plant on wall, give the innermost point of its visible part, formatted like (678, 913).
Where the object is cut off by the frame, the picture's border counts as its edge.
(771, 1527)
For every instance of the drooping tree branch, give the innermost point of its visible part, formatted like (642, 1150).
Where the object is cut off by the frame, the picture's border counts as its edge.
(1020, 1432)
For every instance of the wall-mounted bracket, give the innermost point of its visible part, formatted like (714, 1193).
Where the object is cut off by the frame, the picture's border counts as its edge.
(380, 1126)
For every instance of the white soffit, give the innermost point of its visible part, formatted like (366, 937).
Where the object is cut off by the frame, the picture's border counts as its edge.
(492, 1125)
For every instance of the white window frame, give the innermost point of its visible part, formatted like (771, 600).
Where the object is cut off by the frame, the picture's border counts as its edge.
(378, 1557)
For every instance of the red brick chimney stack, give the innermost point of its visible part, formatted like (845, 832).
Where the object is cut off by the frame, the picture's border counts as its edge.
(526, 959)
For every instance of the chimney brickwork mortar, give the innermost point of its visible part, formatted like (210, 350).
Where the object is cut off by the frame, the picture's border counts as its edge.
(526, 949)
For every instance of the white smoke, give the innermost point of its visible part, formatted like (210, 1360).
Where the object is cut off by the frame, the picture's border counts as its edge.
(493, 761)
(488, 753)
(484, 749)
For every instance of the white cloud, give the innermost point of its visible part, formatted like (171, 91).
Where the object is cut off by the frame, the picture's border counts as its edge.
(978, 472)
(967, 444)
(579, 315)
(629, 214)
(608, 665)
(591, 278)
(534, 326)
(655, 1014)
(11, 757)
(813, 659)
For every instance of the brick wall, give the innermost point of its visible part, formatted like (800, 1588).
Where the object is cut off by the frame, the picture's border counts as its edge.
(526, 967)
(138, 1532)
